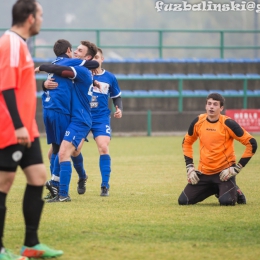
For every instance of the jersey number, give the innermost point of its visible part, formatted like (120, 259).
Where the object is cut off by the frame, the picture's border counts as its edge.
(108, 129)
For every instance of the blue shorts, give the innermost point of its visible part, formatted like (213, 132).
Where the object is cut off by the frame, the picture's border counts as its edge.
(101, 128)
(75, 133)
(56, 125)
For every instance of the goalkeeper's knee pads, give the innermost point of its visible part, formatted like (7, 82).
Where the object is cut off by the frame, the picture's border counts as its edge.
(183, 200)
(227, 199)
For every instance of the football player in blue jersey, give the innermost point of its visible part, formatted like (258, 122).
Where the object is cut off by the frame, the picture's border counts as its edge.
(56, 103)
(81, 121)
(101, 128)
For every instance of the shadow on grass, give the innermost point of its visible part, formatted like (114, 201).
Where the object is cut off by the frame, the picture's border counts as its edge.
(208, 205)
(202, 205)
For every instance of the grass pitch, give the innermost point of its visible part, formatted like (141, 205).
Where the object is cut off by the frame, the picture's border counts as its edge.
(141, 218)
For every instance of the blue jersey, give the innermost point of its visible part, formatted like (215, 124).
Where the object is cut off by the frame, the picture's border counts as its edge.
(109, 88)
(81, 96)
(59, 99)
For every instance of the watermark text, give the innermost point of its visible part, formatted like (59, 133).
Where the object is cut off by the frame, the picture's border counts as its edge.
(208, 6)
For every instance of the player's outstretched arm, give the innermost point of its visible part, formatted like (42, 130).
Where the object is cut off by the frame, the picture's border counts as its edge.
(63, 71)
(91, 64)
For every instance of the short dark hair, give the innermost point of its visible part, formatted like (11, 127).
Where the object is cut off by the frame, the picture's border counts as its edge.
(100, 50)
(218, 97)
(61, 46)
(92, 48)
(21, 11)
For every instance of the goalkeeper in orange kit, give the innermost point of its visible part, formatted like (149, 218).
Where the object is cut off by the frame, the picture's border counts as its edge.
(217, 163)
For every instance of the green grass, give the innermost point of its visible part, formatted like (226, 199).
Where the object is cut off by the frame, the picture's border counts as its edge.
(141, 218)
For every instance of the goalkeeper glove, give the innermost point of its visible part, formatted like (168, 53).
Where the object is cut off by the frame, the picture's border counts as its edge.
(230, 172)
(192, 176)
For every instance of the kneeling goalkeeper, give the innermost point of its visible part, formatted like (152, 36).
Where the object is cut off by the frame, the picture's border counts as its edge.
(217, 163)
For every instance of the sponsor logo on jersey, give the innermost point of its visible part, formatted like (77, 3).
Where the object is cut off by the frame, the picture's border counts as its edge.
(94, 103)
(104, 87)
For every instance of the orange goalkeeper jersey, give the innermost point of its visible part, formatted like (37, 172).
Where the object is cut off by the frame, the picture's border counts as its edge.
(217, 143)
(16, 72)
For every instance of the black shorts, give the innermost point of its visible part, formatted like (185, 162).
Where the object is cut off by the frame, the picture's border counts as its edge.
(209, 185)
(18, 155)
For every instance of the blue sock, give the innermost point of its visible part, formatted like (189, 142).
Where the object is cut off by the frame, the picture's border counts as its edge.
(53, 156)
(79, 167)
(105, 169)
(55, 179)
(65, 176)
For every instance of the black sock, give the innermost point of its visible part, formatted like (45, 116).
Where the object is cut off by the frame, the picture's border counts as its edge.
(32, 209)
(2, 217)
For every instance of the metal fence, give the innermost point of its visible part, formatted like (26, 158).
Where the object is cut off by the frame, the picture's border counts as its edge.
(217, 40)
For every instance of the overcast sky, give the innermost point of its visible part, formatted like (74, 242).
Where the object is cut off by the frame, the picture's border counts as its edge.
(135, 13)
(141, 14)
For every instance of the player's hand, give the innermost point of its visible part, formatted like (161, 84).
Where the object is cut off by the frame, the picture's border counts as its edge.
(97, 84)
(37, 70)
(50, 83)
(118, 113)
(230, 172)
(23, 137)
(192, 176)
(236, 168)
(94, 72)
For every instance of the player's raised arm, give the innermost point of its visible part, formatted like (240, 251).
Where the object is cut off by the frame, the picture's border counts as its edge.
(65, 71)
(90, 64)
